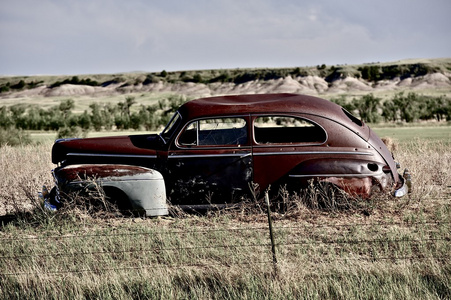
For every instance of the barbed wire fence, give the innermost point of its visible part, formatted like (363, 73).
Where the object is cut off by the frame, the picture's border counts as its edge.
(270, 244)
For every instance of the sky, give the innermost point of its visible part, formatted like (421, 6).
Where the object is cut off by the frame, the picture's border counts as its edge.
(67, 37)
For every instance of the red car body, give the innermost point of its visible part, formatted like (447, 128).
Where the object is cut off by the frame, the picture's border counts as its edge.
(220, 146)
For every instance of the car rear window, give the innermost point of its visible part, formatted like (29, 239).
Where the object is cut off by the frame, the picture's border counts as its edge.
(215, 132)
(287, 130)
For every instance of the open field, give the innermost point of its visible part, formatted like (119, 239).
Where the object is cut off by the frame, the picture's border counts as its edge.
(49, 136)
(381, 248)
(82, 102)
(421, 133)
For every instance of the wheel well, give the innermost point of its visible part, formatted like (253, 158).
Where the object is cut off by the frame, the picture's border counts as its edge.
(117, 197)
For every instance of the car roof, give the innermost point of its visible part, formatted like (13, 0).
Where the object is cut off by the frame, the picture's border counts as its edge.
(262, 103)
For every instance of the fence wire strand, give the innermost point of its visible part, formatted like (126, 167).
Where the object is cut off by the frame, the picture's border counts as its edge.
(159, 249)
(429, 228)
(253, 228)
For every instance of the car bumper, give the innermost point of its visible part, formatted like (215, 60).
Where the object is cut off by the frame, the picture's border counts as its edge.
(405, 187)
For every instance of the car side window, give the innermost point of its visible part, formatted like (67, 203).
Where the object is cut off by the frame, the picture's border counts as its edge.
(215, 132)
(287, 130)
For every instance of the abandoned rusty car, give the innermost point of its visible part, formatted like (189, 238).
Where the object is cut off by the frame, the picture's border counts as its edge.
(215, 149)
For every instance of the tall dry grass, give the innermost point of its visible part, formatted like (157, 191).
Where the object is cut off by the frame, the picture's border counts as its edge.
(25, 169)
(429, 162)
(384, 248)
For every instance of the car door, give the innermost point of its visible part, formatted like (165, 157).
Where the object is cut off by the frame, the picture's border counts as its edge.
(280, 143)
(210, 161)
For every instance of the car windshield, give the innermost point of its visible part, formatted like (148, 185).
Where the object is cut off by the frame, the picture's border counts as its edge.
(168, 131)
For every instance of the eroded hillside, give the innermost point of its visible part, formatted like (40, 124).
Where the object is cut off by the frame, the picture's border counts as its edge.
(432, 76)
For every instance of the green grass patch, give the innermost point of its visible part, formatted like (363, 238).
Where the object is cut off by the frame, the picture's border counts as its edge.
(49, 137)
(408, 134)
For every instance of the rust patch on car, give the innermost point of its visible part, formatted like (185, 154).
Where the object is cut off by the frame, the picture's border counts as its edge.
(77, 172)
(353, 186)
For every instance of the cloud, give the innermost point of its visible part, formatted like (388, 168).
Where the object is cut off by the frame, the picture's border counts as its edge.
(96, 36)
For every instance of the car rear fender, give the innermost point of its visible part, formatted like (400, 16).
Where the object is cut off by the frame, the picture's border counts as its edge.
(356, 177)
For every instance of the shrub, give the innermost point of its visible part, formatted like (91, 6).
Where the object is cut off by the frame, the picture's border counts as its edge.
(151, 79)
(75, 80)
(371, 73)
(70, 132)
(14, 137)
(367, 107)
(341, 100)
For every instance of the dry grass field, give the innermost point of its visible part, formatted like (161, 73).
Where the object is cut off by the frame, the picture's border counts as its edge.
(381, 248)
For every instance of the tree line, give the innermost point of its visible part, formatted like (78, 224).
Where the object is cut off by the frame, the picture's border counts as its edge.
(410, 107)
(105, 116)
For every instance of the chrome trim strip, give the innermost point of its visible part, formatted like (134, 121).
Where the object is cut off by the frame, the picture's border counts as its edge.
(106, 180)
(65, 139)
(335, 175)
(240, 155)
(314, 152)
(246, 155)
(112, 155)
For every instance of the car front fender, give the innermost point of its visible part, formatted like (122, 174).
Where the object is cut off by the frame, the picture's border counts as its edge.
(144, 187)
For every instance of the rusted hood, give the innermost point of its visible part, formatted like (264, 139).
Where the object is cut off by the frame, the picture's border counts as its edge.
(133, 145)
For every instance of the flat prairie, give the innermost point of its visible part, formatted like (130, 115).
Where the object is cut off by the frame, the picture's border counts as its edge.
(380, 248)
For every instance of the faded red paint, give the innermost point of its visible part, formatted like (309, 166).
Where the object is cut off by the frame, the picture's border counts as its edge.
(349, 148)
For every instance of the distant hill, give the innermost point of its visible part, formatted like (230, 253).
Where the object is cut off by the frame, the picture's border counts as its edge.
(430, 75)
